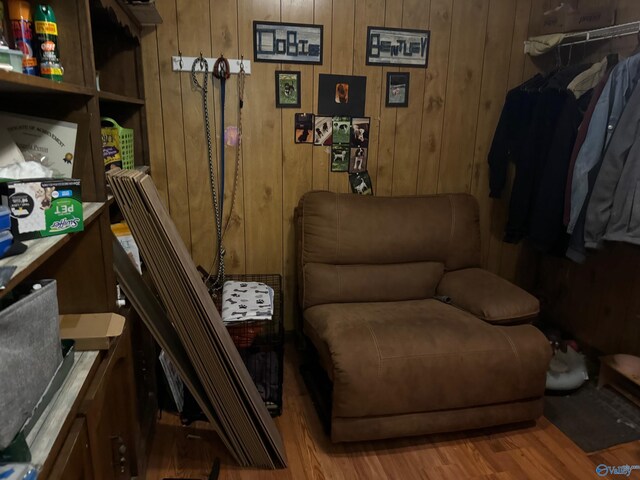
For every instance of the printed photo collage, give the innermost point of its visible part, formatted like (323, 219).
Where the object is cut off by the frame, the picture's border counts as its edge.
(348, 139)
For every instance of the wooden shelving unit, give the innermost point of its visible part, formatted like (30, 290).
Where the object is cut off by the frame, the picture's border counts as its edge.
(97, 38)
(38, 251)
(19, 83)
(116, 98)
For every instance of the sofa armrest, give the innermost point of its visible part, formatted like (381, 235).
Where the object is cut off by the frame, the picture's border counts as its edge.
(488, 296)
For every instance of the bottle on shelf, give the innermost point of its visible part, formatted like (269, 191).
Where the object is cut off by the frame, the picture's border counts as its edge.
(46, 43)
(20, 15)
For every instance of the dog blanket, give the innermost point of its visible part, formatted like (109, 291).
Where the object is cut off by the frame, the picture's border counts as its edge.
(246, 301)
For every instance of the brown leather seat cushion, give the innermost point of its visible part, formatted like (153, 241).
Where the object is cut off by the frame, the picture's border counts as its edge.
(422, 355)
(488, 296)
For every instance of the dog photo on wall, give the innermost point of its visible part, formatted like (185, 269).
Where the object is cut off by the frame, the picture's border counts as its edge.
(340, 158)
(360, 132)
(341, 130)
(304, 128)
(323, 132)
(361, 183)
(358, 162)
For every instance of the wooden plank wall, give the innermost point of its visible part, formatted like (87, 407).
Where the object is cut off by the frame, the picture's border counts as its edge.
(438, 144)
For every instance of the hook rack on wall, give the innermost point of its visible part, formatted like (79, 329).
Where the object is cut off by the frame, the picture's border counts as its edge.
(181, 63)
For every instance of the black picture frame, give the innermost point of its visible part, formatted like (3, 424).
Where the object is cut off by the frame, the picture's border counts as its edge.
(281, 96)
(397, 79)
(356, 92)
(386, 59)
(277, 27)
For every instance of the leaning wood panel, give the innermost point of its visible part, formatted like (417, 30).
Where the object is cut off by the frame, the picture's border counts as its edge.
(297, 164)
(495, 75)
(415, 14)
(434, 96)
(224, 39)
(461, 114)
(263, 146)
(342, 64)
(173, 131)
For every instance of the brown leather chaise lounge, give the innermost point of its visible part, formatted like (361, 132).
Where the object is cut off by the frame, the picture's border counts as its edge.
(402, 361)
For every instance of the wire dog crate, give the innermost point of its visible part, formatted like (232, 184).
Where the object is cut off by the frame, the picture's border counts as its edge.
(261, 343)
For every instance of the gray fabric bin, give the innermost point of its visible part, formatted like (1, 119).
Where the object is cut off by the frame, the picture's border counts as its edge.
(30, 353)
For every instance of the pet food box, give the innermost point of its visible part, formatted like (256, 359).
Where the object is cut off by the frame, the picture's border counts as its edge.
(43, 207)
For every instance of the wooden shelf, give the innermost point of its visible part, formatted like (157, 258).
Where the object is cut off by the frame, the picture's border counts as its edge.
(20, 83)
(117, 98)
(62, 409)
(39, 250)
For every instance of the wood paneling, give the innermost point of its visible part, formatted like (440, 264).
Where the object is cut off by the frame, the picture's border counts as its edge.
(438, 144)
(533, 451)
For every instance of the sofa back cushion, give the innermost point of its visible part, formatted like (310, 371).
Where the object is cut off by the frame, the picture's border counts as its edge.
(345, 229)
(370, 283)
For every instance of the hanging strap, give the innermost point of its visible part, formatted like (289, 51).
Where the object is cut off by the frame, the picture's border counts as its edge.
(221, 71)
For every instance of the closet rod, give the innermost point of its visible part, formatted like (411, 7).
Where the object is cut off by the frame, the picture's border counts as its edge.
(587, 36)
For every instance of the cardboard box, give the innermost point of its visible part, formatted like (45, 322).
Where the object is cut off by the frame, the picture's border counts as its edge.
(91, 331)
(43, 207)
(562, 16)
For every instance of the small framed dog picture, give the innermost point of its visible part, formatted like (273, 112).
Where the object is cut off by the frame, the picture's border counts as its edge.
(287, 89)
(397, 89)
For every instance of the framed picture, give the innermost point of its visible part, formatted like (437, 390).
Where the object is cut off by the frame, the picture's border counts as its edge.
(287, 43)
(341, 95)
(358, 161)
(398, 47)
(341, 130)
(323, 134)
(287, 89)
(304, 128)
(340, 158)
(361, 183)
(360, 132)
(397, 89)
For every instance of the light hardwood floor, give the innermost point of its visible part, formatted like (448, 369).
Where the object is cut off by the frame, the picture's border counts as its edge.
(538, 451)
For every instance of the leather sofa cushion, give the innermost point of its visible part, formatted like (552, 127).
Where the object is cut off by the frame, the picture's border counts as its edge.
(393, 358)
(369, 283)
(488, 296)
(346, 229)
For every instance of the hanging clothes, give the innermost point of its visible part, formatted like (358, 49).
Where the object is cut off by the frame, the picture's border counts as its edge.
(613, 211)
(536, 132)
(610, 105)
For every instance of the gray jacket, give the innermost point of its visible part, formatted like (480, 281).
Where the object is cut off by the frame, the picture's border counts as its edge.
(613, 212)
(605, 118)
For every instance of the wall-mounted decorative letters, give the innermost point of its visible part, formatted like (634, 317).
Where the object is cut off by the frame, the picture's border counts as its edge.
(341, 95)
(397, 47)
(287, 42)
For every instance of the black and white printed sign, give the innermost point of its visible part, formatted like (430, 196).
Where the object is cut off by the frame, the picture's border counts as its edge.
(397, 47)
(287, 42)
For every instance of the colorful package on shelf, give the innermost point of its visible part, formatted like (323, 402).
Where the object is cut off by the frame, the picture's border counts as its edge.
(50, 142)
(43, 207)
(18, 471)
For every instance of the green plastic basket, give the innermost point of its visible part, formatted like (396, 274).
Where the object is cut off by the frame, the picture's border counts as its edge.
(125, 137)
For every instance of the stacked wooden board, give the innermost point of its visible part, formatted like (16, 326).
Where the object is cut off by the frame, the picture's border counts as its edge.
(231, 401)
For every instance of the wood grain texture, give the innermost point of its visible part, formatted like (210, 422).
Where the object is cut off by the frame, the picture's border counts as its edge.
(224, 39)
(297, 159)
(415, 15)
(342, 31)
(262, 145)
(461, 115)
(439, 143)
(173, 128)
(530, 451)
